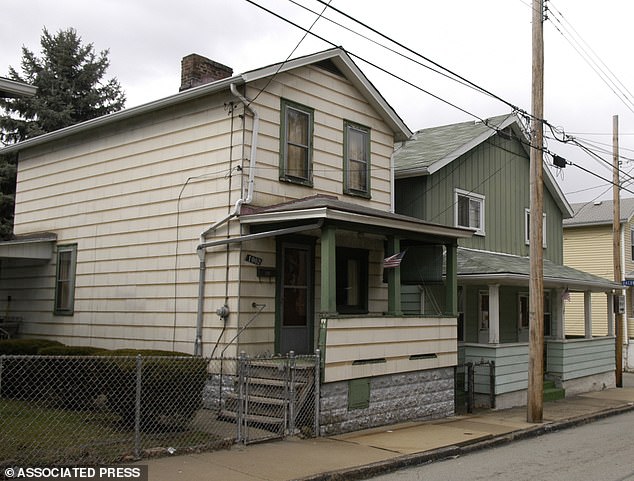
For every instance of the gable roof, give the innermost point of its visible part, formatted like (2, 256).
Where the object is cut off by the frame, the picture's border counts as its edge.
(429, 150)
(599, 212)
(336, 56)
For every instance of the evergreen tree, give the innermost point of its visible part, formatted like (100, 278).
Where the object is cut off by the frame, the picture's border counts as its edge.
(70, 89)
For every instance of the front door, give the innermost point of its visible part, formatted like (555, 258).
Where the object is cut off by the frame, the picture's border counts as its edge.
(295, 298)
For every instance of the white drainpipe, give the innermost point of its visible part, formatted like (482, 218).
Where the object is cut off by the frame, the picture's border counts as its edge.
(236, 212)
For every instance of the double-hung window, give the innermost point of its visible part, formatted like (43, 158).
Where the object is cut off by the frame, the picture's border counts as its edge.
(469, 211)
(527, 227)
(356, 160)
(65, 279)
(296, 143)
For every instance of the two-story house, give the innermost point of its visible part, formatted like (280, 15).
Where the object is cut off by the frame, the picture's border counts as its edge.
(588, 245)
(476, 175)
(248, 212)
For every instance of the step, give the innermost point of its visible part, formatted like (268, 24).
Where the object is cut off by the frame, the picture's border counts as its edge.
(553, 394)
(264, 406)
(253, 419)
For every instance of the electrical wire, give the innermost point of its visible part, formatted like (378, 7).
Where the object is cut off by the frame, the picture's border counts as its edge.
(567, 139)
(609, 77)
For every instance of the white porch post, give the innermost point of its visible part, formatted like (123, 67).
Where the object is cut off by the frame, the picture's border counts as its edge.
(610, 297)
(558, 311)
(494, 314)
(587, 314)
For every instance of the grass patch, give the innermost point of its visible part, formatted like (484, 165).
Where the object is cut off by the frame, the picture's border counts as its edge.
(33, 434)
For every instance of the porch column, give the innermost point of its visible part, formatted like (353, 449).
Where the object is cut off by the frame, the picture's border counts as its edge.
(610, 297)
(451, 280)
(587, 314)
(328, 271)
(494, 314)
(394, 279)
(559, 315)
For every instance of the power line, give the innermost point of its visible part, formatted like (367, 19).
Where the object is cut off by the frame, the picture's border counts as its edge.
(476, 86)
(365, 37)
(612, 82)
(365, 60)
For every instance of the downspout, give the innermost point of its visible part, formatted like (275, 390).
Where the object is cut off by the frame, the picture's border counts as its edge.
(201, 250)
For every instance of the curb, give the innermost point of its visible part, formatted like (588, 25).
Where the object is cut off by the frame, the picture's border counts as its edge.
(456, 450)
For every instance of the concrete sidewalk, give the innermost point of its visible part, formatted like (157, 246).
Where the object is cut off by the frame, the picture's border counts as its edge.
(366, 453)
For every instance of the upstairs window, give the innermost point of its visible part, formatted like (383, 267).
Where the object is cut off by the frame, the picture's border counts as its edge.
(527, 227)
(296, 139)
(469, 211)
(65, 280)
(356, 160)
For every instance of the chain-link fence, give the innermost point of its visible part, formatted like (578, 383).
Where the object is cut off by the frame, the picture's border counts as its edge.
(85, 410)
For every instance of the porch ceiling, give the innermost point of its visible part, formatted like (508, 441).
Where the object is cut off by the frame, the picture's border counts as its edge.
(357, 217)
(481, 266)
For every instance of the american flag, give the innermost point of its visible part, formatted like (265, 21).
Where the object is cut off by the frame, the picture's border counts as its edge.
(393, 260)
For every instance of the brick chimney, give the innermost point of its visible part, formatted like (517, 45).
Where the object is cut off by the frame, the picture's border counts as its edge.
(198, 70)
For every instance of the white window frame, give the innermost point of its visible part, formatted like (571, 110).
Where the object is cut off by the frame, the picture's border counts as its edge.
(472, 197)
(527, 216)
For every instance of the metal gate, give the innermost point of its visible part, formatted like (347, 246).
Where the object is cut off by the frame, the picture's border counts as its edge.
(274, 397)
(474, 386)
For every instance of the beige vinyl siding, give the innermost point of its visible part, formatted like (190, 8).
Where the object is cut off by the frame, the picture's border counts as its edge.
(116, 194)
(135, 196)
(365, 347)
(334, 99)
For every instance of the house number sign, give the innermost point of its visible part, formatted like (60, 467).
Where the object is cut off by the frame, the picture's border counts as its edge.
(253, 259)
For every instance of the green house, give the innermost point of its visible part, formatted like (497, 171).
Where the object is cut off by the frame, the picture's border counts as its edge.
(476, 175)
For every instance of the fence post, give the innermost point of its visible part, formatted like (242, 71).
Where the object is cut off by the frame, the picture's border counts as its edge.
(291, 392)
(492, 383)
(470, 387)
(241, 396)
(137, 408)
(317, 377)
(1, 368)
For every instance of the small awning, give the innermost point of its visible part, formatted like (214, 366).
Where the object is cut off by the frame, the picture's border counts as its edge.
(38, 247)
(352, 216)
(487, 267)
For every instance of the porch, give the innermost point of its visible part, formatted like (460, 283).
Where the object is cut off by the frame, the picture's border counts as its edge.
(493, 306)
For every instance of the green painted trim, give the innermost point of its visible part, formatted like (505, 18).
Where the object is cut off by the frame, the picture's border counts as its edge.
(328, 271)
(394, 302)
(451, 280)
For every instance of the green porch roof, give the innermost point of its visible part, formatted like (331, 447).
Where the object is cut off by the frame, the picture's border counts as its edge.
(489, 267)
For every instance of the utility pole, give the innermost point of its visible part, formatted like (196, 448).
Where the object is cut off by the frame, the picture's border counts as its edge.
(535, 400)
(616, 248)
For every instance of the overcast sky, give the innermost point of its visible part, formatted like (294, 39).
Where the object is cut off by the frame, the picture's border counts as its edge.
(486, 41)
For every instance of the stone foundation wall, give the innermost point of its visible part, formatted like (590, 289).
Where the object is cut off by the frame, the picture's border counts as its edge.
(394, 398)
